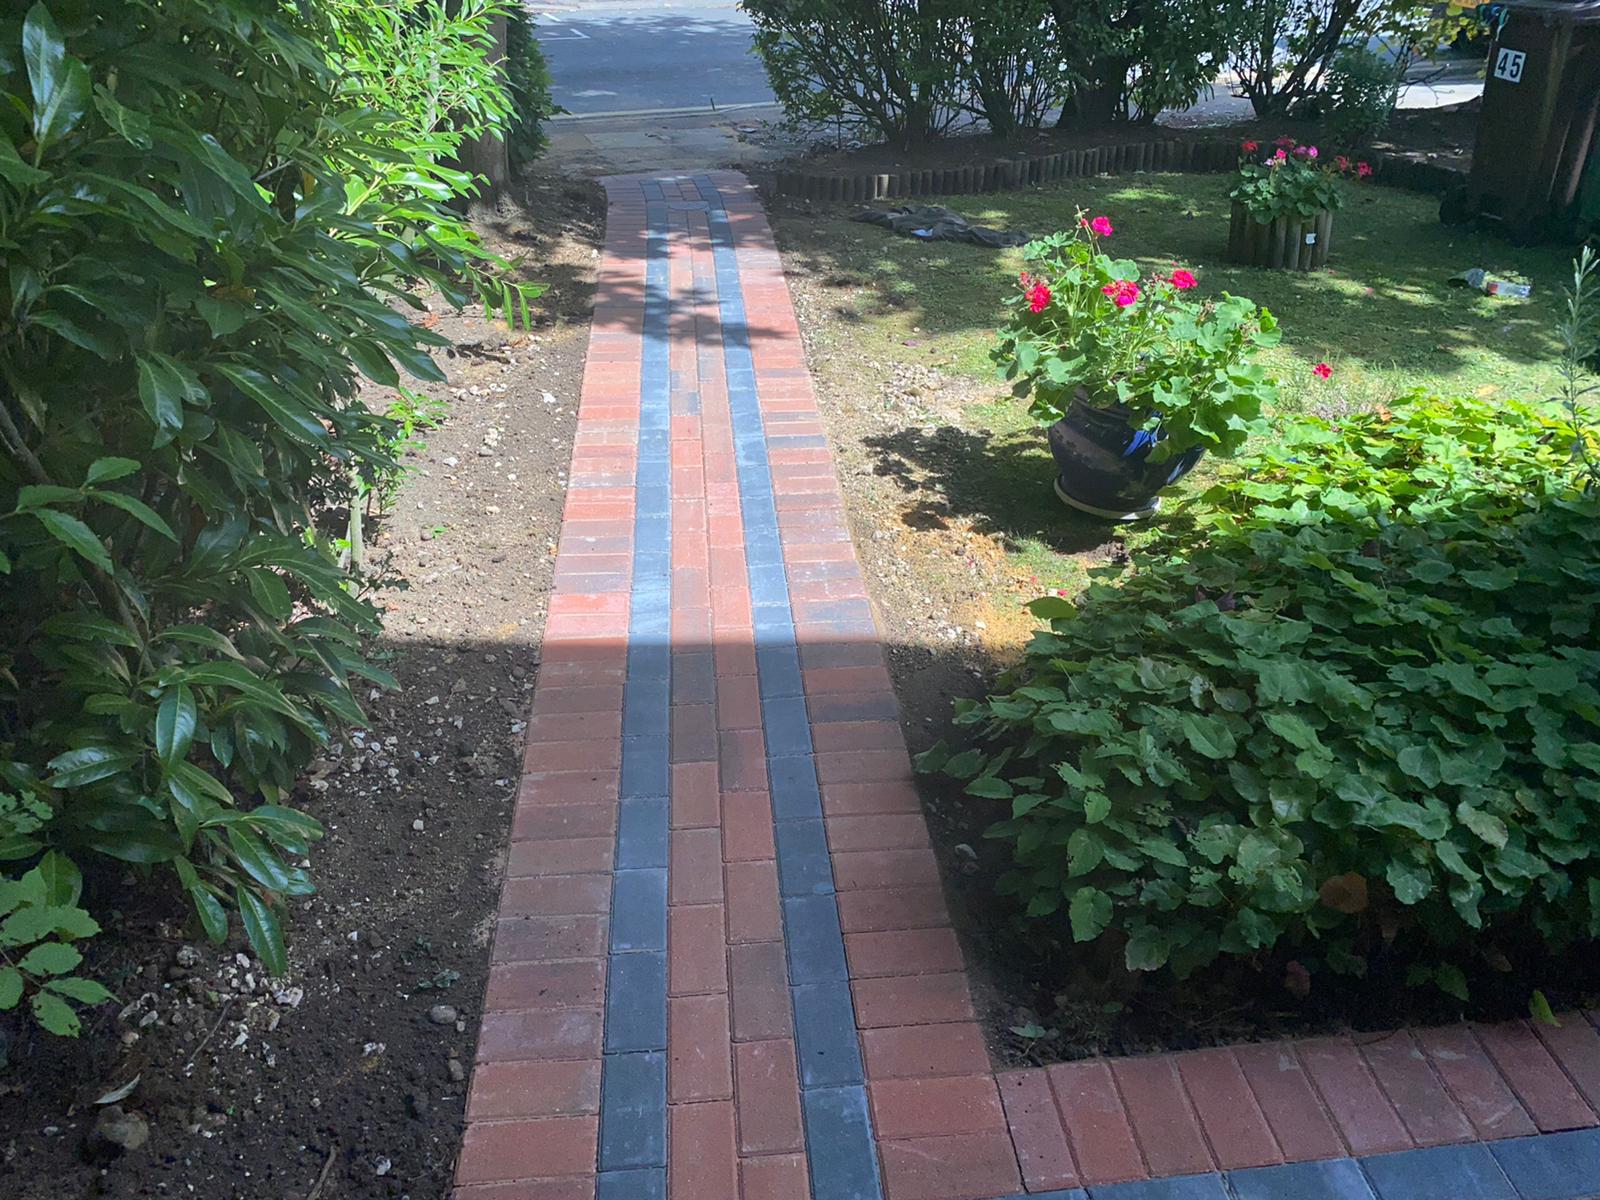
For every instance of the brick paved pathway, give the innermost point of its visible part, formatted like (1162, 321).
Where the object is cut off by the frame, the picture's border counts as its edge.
(724, 969)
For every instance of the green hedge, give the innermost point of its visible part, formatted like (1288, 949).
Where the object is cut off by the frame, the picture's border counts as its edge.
(205, 236)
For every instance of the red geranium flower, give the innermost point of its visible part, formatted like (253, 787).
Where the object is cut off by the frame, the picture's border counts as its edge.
(1322, 370)
(1363, 169)
(1038, 297)
(1250, 147)
(1342, 163)
(1182, 279)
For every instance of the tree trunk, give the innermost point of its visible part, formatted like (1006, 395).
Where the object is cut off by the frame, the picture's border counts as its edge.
(488, 155)
(1100, 103)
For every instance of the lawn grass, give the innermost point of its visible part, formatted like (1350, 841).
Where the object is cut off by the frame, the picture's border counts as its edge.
(1384, 316)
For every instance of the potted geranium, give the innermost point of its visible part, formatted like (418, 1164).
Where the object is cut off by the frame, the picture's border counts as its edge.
(1283, 204)
(1132, 378)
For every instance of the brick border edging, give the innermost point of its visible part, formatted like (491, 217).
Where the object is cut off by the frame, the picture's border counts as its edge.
(1196, 156)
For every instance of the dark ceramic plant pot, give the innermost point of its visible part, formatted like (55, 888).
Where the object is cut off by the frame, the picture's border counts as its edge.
(1103, 463)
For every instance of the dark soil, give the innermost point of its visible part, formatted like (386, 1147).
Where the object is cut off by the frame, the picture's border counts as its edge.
(335, 1082)
(933, 573)
(1441, 135)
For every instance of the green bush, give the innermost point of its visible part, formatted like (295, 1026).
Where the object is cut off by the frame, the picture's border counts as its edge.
(1359, 96)
(1016, 69)
(903, 71)
(207, 232)
(886, 67)
(1352, 708)
(1131, 59)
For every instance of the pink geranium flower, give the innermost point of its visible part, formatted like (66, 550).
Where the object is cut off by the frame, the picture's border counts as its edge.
(1124, 292)
(1183, 280)
(1363, 169)
(1102, 226)
(1322, 370)
(1039, 297)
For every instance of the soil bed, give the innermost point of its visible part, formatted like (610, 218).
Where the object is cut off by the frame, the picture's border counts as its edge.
(341, 1080)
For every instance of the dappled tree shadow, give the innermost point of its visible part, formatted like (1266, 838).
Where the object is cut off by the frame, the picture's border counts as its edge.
(1000, 484)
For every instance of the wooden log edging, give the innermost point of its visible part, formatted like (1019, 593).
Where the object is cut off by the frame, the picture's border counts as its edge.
(1197, 156)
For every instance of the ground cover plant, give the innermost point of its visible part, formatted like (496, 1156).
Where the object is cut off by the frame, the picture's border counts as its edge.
(1345, 706)
(209, 228)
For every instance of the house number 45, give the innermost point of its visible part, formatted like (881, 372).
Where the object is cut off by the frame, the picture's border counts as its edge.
(1508, 65)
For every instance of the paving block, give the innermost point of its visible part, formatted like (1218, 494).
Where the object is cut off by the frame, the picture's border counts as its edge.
(825, 1034)
(844, 1160)
(636, 1002)
(642, 833)
(815, 944)
(1556, 1166)
(639, 910)
(804, 868)
(1325, 1179)
(633, 1111)
(1439, 1173)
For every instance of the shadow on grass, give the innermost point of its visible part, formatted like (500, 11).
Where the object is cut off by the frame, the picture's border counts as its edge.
(1386, 304)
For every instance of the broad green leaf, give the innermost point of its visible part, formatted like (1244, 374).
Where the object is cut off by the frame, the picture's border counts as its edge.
(1452, 981)
(989, 787)
(177, 717)
(55, 1014)
(293, 417)
(90, 627)
(75, 535)
(63, 883)
(1486, 825)
(1293, 729)
(133, 127)
(258, 861)
(213, 918)
(90, 764)
(50, 958)
(1208, 735)
(164, 388)
(138, 510)
(242, 680)
(84, 991)
(103, 470)
(270, 592)
(10, 987)
(261, 926)
(1538, 1008)
(60, 84)
(1409, 882)
(1148, 949)
(1090, 913)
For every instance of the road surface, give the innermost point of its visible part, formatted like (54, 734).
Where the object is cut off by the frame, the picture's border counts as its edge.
(627, 56)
